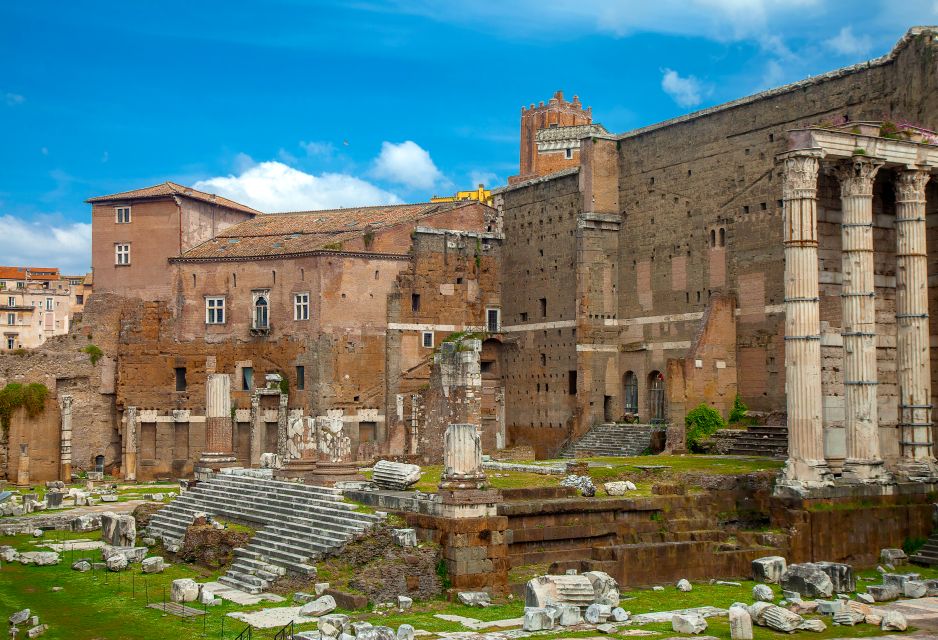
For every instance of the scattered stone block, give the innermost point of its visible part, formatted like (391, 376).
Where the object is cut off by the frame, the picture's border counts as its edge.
(37, 533)
(619, 614)
(893, 621)
(303, 598)
(768, 569)
(597, 613)
(86, 522)
(116, 562)
(39, 558)
(333, 625)
(109, 497)
(377, 633)
(808, 580)
(184, 590)
(883, 592)
(692, 623)
(865, 598)
(395, 476)
(118, 530)
(898, 580)
(405, 632)
(404, 603)
(605, 588)
(82, 566)
(841, 575)
(756, 611)
(563, 589)
(606, 628)
(537, 619)
(803, 606)
(320, 588)
(9, 554)
(874, 619)
(895, 557)
(474, 598)
(657, 587)
(358, 627)
(38, 630)
(19, 617)
(763, 593)
(405, 537)
(815, 625)
(318, 607)
(914, 589)
(740, 624)
(830, 607)
(153, 565)
(848, 618)
(618, 488)
(684, 585)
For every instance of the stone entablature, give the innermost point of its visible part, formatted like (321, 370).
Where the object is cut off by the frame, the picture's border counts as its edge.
(556, 139)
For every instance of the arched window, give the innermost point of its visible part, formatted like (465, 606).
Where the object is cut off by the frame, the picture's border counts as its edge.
(656, 397)
(630, 384)
(260, 313)
(722, 237)
(713, 237)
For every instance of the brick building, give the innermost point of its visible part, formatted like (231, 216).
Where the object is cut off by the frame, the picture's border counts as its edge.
(37, 303)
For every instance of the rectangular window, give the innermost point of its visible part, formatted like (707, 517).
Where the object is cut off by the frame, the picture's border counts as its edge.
(123, 215)
(48, 304)
(301, 306)
(181, 379)
(493, 322)
(11, 301)
(524, 316)
(571, 383)
(79, 299)
(543, 303)
(122, 253)
(215, 310)
(11, 318)
(569, 153)
(415, 302)
(247, 378)
(428, 339)
(300, 378)
(11, 342)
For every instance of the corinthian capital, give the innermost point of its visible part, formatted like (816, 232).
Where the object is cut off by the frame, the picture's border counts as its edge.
(910, 185)
(799, 177)
(856, 175)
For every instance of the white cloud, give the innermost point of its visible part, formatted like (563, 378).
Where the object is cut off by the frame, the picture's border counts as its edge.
(13, 99)
(847, 44)
(40, 244)
(318, 148)
(686, 91)
(408, 164)
(273, 186)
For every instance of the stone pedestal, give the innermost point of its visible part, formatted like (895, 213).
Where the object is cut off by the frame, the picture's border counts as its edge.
(913, 372)
(335, 463)
(218, 427)
(863, 462)
(806, 466)
(301, 450)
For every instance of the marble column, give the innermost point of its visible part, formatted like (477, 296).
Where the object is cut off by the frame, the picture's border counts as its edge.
(861, 417)
(217, 453)
(912, 334)
(65, 441)
(806, 466)
(130, 444)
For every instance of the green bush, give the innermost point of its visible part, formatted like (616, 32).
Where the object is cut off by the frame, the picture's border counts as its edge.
(701, 422)
(14, 395)
(94, 353)
(912, 545)
(738, 413)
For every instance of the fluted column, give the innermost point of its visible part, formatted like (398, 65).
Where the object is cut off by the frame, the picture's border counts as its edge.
(861, 418)
(217, 452)
(912, 339)
(65, 443)
(806, 466)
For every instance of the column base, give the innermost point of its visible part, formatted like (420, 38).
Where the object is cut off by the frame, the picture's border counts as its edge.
(865, 471)
(917, 470)
(210, 463)
(297, 469)
(326, 474)
(800, 476)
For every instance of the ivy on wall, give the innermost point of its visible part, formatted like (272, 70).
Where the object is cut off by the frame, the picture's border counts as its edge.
(15, 395)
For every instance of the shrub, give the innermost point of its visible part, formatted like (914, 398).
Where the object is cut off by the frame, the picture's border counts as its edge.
(738, 413)
(701, 422)
(94, 353)
(31, 396)
(912, 545)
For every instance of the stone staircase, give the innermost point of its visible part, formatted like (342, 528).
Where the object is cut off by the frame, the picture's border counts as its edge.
(299, 524)
(759, 440)
(928, 554)
(612, 439)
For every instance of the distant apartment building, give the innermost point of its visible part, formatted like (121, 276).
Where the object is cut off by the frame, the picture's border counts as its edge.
(37, 303)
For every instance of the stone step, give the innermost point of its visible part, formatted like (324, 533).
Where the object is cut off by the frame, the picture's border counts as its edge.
(325, 494)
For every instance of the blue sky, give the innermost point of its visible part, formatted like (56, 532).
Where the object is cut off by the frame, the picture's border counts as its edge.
(292, 104)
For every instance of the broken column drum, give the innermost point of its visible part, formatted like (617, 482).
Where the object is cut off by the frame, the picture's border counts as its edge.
(218, 425)
(858, 301)
(806, 465)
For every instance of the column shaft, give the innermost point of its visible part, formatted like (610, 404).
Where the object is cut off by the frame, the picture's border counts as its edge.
(861, 417)
(806, 465)
(912, 339)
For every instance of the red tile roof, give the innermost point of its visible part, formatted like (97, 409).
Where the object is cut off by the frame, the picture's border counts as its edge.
(172, 189)
(34, 273)
(300, 232)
